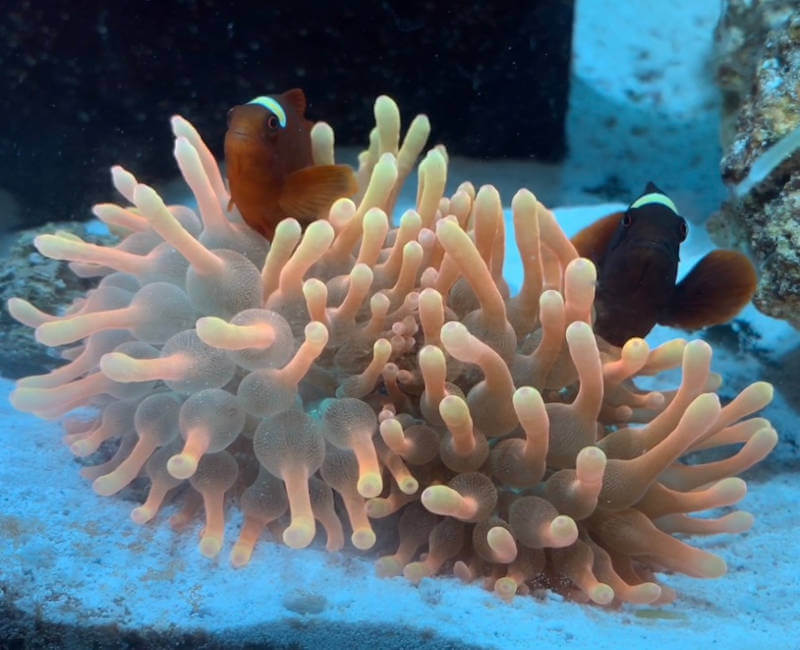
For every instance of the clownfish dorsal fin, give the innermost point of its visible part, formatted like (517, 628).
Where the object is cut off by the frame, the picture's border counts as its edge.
(713, 292)
(309, 191)
(295, 98)
(653, 195)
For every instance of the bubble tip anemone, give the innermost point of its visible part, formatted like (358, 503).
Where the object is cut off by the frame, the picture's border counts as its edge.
(513, 443)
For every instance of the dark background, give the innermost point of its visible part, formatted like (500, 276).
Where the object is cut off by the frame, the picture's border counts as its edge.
(89, 84)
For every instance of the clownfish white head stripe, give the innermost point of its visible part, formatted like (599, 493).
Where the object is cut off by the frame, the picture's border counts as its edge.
(655, 197)
(273, 106)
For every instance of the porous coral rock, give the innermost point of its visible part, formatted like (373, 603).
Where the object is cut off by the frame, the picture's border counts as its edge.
(758, 50)
(388, 365)
(753, 44)
(768, 224)
(47, 283)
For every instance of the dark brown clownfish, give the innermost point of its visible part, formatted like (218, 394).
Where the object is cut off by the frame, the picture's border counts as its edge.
(636, 254)
(270, 169)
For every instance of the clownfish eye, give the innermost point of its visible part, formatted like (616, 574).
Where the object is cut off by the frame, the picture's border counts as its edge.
(683, 229)
(272, 123)
(627, 220)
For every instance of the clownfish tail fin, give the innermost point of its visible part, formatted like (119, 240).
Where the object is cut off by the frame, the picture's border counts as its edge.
(713, 292)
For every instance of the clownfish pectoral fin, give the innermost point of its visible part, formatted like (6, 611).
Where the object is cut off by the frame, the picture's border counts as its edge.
(713, 292)
(308, 191)
(593, 241)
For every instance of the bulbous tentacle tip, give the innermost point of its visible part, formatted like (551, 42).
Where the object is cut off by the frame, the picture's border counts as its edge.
(363, 539)
(106, 485)
(182, 466)
(415, 572)
(141, 515)
(388, 567)
(563, 531)
(502, 542)
(602, 594)
(505, 588)
(240, 555)
(369, 485)
(210, 546)
(300, 533)
(644, 593)
(712, 566)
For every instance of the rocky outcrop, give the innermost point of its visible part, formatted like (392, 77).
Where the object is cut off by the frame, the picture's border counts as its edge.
(49, 285)
(758, 47)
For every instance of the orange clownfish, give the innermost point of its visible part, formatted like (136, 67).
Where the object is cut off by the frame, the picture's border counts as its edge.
(270, 169)
(636, 254)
